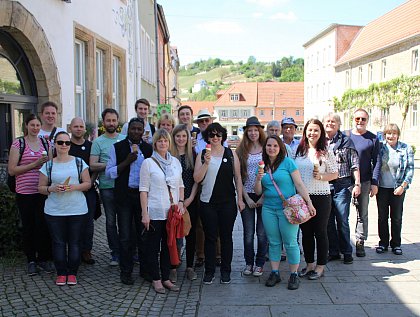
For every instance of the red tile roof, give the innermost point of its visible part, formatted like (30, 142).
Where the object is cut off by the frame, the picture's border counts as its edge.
(395, 26)
(247, 92)
(284, 94)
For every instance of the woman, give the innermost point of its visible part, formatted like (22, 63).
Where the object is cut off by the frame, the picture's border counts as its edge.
(279, 230)
(182, 149)
(26, 157)
(167, 122)
(63, 180)
(396, 175)
(156, 174)
(317, 166)
(250, 155)
(217, 169)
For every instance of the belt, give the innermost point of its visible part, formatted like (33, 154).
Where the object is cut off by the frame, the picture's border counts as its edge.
(132, 190)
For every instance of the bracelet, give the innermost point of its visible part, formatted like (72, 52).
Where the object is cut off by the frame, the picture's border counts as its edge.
(48, 190)
(320, 177)
(180, 201)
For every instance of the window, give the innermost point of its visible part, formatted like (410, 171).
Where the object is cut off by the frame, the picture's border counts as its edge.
(317, 60)
(245, 113)
(100, 80)
(283, 112)
(415, 61)
(383, 69)
(80, 79)
(234, 113)
(324, 57)
(414, 115)
(148, 60)
(297, 113)
(116, 83)
(370, 72)
(329, 55)
(223, 114)
(360, 75)
(262, 113)
(234, 97)
(347, 79)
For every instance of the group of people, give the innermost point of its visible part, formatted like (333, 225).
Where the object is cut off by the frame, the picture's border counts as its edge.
(145, 171)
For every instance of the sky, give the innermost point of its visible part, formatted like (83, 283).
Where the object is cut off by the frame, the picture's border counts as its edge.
(265, 29)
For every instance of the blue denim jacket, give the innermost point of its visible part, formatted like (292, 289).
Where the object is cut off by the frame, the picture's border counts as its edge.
(405, 170)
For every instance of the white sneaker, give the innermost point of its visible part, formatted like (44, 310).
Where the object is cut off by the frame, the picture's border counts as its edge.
(258, 271)
(115, 261)
(247, 271)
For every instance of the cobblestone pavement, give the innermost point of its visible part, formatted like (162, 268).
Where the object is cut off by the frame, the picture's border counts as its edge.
(377, 285)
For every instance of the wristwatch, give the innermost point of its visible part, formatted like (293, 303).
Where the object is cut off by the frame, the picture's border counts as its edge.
(357, 185)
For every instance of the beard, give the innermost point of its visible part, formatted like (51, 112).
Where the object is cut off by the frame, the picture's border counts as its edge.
(110, 129)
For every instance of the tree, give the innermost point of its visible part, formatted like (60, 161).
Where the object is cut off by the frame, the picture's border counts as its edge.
(223, 73)
(294, 73)
(252, 60)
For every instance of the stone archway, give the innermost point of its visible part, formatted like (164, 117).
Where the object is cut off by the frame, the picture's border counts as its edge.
(22, 25)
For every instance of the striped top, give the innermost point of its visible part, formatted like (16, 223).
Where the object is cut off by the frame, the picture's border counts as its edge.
(27, 183)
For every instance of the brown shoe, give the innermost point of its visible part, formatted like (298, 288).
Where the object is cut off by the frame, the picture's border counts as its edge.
(87, 257)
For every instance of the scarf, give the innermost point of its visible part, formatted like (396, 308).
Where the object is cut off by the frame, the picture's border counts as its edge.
(168, 169)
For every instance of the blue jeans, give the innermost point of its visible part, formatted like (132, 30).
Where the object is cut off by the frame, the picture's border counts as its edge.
(87, 234)
(248, 222)
(362, 212)
(66, 234)
(338, 224)
(108, 201)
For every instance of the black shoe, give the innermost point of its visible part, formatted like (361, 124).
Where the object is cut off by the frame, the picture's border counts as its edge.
(225, 278)
(360, 249)
(283, 258)
(293, 281)
(348, 259)
(146, 276)
(304, 272)
(208, 278)
(334, 257)
(126, 279)
(314, 275)
(273, 279)
(47, 266)
(199, 262)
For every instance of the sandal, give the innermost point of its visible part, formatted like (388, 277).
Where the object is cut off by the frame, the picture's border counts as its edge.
(158, 289)
(397, 251)
(381, 249)
(172, 287)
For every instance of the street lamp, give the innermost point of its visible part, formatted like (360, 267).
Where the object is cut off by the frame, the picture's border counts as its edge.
(174, 92)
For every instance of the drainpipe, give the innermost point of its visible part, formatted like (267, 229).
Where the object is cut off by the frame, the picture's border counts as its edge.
(157, 52)
(137, 56)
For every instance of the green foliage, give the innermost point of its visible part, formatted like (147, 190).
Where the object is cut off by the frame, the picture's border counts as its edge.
(291, 74)
(10, 237)
(101, 128)
(9, 87)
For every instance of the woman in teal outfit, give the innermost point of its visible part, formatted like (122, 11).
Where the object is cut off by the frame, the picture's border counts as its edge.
(279, 230)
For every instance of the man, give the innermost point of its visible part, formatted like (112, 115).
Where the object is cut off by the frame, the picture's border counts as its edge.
(99, 156)
(342, 189)
(142, 108)
(367, 146)
(49, 117)
(185, 115)
(288, 129)
(273, 128)
(81, 148)
(125, 160)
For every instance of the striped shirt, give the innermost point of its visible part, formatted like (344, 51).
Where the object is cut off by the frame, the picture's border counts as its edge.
(27, 183)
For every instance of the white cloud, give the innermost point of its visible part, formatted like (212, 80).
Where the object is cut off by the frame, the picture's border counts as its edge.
(289, 16)
(268, 3)
(257, 15)
(224, 27)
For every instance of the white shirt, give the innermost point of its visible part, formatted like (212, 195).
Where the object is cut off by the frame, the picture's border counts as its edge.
(46, 134)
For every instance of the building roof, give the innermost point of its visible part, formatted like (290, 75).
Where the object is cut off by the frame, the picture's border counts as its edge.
(396, 26)
(284, 94)
(247, 95)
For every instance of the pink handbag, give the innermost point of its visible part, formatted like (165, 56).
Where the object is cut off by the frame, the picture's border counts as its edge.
(294, 208)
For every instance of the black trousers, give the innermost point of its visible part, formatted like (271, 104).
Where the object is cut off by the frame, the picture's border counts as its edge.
(192, 236)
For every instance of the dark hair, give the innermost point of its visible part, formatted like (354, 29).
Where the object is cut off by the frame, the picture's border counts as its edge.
(280, 157)
(214, 127)
(60, 133)
(133, 120)
(141, 100)
(109, 110)
(185, 107)
(245, 147)
(31, 117)
(321, 145)
(48, 104)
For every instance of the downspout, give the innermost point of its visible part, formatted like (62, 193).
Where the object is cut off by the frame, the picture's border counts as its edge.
(137, 81)
(157, 52)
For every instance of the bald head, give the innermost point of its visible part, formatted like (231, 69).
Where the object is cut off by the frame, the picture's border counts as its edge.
(77, 128)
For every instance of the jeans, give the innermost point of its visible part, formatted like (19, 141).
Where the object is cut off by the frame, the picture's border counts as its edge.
(389, 205)
(248, 222)
(362, 212)
(338, 224)
(218, 217)
(66, 234)
(315, 229)
(35, 235)
(87, 234)
(107, 197)
(129, 214)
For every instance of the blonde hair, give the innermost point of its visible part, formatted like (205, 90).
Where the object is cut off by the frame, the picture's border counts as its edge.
(189, 159)
(161, 134)
(392, 127)
(166, 116)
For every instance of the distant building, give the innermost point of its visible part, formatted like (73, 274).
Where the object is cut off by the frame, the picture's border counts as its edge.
(200, 84)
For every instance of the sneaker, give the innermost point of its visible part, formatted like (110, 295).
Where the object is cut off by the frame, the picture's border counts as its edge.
(293, 282)
(258, 271)
(71, 280)
(191, 275)
(348, 259)
(32, 270)
(87, 258)
(225, 278)
(273, 279)
(360, 249)
(334, 257)
(47, 266)
(208, 278)
(60, 280)
(136, 259)
(115, 260)
(173, 275)
(247, 270)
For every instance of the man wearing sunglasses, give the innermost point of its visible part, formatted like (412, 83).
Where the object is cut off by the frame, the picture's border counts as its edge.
(367, 146)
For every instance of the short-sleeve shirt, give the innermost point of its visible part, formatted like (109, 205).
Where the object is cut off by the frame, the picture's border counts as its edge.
(101, 147)
(252, 165)
(283, 178)
(67, 203)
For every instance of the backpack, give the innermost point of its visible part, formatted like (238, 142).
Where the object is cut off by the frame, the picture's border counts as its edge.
(79, 165)
(11, 180)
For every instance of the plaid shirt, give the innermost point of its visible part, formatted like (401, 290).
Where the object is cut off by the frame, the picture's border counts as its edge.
(345, 154)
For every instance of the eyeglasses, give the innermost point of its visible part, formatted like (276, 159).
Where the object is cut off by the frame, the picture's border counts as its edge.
(360, 119)
(203, 120)
(60, 142)
(212, 135)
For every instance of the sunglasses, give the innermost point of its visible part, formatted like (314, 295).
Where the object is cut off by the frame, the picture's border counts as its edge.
(212, 135)
(60, 142)
(360, 119)
(203, 120)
